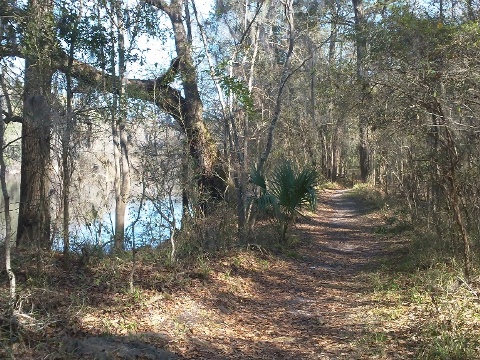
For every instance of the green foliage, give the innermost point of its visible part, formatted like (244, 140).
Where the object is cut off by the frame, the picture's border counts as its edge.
(233, 86)
(287, 192)
(401, 31)
(449, 343)
(370, 196)
(37, 34)
(94, 37)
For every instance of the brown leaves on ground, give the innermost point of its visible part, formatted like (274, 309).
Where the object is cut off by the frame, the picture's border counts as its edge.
(317, 303)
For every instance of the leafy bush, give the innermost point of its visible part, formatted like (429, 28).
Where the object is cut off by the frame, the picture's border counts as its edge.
(286, 193)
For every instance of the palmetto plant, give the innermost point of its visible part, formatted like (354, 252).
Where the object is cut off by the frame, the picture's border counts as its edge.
(286, 193)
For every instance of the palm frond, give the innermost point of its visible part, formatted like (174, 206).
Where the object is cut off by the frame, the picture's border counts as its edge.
(288, 191)
(258, 179)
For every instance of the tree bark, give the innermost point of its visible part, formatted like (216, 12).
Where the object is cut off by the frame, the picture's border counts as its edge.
(189, 108)
(34, 214)
(6, 207)
(122, 182)
(361, 48)
(34, 217)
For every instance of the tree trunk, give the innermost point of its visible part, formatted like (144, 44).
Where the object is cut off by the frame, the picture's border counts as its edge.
(6, 208)
(34, 214)
(455, 203)
(331, 101)
(454, 195)
(122, 183)
(470, 11)
(361, 48)
(286, 73)
(200, 144)
(363, 152)
(120, 138)
(67, 165)
(66, 175)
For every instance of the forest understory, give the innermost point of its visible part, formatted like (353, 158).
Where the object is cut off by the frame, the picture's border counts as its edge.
(197, 133)
(345, 287)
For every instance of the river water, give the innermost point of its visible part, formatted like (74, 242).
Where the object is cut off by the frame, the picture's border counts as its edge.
(92, 222)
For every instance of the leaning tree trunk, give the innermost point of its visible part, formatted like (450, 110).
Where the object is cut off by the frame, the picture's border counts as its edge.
(200, 144)
(184, 106)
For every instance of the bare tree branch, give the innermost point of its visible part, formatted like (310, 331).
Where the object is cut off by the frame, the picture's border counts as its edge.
(11, 118)
(157, 90)
(285, 76)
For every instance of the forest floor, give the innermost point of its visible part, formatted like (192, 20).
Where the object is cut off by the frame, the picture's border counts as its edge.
(332, 296)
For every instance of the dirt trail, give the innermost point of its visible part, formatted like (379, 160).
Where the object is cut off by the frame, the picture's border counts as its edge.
(312, 307)
(342, 247)
(321, 296)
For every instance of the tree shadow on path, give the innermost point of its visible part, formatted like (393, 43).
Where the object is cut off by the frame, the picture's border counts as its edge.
(314, 306)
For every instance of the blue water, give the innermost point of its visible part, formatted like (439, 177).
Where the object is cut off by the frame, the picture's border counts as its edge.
(149, 223)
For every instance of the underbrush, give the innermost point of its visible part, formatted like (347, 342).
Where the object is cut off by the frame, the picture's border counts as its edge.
(422, 297)
(81, 296)
(434, 310)
(370, 196)
(62, 303)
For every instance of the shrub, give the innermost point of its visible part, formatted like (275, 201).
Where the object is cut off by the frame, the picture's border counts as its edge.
(286, 193)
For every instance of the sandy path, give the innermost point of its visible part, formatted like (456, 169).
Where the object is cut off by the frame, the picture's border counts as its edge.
(314, 306)
(342, 248)
(322, 295)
